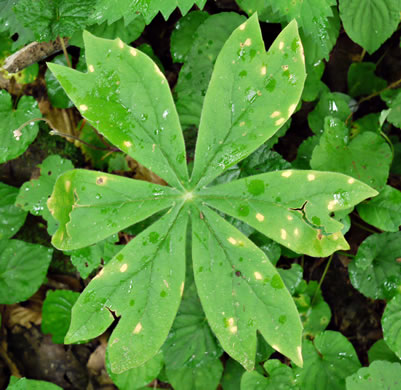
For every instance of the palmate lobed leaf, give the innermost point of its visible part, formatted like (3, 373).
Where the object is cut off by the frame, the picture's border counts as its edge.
(127, 98)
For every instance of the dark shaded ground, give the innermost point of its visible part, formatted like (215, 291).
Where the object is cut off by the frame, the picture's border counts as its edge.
(35, 356)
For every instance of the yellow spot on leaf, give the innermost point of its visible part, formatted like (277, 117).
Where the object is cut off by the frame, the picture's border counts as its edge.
(290, 217)
(311, 177)
(260, 217)
(286, 173)
(165, 283)
(182, 288)
(99, 274)
(296, 232)
(67, 185)
(283, 234)
(133, 52)
(248, 42)
(101, 180)
(258, 275)
(242, 124)
(284, 67)
(331, 204)
(242, 27)
(232, 240)
(351, 180)
(275, 114)
(124, 267)
(91, 68)
(121, 44)
(291, 109)
(138, 328)
(128, 144)
(335, 236)
(281, 45)
(83, 107)
(263, 70)
(279, 121)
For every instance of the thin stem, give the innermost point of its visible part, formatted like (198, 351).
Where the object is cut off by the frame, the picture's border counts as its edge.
(384, 135)
(362, 55)
(322, 278)
(65, 52)
(357, 224)
(54, 131)
(374, 94)
(346, 254)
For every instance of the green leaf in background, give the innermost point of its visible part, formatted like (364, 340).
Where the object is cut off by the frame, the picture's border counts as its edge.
(83, 199)
(236, 108)
(313, 84)
(300, 220)
(362, 79)
(376, 271)
(328, 360)
(263, 160)
(50, 19)
(371, 24)
(143, 284)
(118, 29)
(23, 268)
(315, 313)
(383, 211)
(304, 153)
(14, 141)
(32, 384)
(191, 342)
(185, 33)
(378, 376)
(292, 277)
(135, 378)
(380, 351)
(232, 375)
(391, 324)
(33, 195)
(204, 377)
(140, 117)
(87, 259)
(56, 313)
(252, 295)
(11, 217)
(280, 377)
(271, 248)
(367, 157)
(393, 100)
(194, 77)
(335, 105)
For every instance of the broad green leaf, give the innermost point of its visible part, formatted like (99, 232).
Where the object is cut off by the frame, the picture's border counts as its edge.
(185, 33)
(329, 359)
(292, 277)
(380, 351)
(32, 384)
(362, 79)
(112, 10)
(330, 104)
(33, 195)
(118, 29)
(232, 375)
(14, 141)
(383, 211)
(300, 220)
(240, 113)
(391, 324)
(369, 122)
(280, 377)
(313, 84)
(196, 378)
(55, 91)
(304, 153)
(137, 377)
(191, 342)
(11, 217)
(50, 19)
(87, 259)
(196, 72)
(315, 313)
(143, 285)
(271, 248)
(140, 117)
(393, 100)
(252, 295)
(375, 271)
(23, 267)
(378, 376)
(56, 313)
(367, 157)
(90, 206)
(369, 26)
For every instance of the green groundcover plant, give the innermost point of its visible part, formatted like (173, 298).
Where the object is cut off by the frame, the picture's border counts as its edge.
(198, 275)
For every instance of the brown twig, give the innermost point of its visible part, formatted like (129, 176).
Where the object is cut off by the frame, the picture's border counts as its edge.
(32, 53)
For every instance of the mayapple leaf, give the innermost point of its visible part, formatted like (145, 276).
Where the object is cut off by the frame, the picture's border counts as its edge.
(143, 285)
(292, 207)
(251, 294)
(379, 375)
(126, 98)
(14, 141)
(372, 24)
(391, 324)
(11, 216)
(250, 96)
(90, 206)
